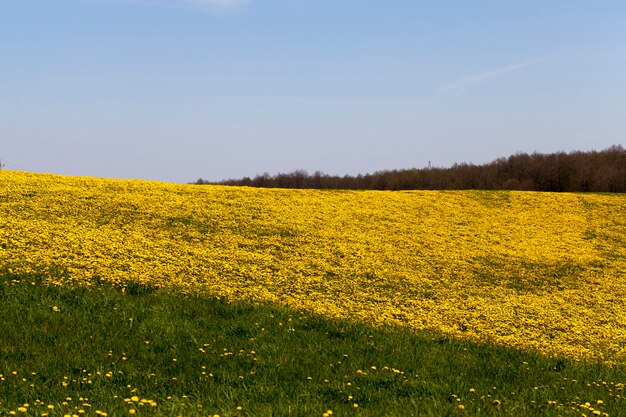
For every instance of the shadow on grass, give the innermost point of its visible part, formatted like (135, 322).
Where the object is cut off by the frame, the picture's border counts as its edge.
(191, 355)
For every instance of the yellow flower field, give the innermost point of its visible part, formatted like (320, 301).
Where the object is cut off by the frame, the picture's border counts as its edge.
(536, 271)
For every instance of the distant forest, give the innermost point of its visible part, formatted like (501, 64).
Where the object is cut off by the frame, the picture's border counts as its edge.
(594, 171)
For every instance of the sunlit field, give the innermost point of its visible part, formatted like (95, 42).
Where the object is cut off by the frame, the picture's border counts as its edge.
(138, 297)
(535, 271)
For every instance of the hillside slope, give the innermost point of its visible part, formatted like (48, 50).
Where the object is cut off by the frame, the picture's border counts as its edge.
(535, 271)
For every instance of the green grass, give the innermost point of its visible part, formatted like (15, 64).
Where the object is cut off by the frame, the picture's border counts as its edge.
(197, 357)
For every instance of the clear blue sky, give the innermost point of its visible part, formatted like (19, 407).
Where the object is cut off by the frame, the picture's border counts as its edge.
(175, 90)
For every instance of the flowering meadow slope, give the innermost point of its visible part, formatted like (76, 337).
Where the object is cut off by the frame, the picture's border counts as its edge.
(536, 271)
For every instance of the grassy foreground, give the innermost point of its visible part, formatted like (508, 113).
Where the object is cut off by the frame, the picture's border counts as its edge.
(106, 350)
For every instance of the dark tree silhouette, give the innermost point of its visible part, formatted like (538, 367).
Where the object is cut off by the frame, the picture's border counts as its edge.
(595, 171)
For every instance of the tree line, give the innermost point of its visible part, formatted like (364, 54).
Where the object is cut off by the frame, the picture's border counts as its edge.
(578, 171)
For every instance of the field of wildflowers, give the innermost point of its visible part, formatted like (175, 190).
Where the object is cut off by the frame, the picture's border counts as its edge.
(536, 271)
(73, 351)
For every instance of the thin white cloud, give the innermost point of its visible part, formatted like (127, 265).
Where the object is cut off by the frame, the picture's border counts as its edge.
(460, 86)
(224, 4)
(198, 4)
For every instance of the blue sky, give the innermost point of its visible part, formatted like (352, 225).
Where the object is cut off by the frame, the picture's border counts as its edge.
(175, 90)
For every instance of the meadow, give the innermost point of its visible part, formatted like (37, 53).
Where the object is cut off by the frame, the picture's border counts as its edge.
(355, 302)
